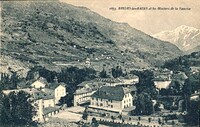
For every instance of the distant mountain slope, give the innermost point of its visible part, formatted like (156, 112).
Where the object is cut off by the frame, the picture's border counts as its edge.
(196, 49)
(184, 37)
(183, 63)
(54, 35)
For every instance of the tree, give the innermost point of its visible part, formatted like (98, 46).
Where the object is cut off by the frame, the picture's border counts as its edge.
(85, 114)
(117, 72)
(17, 109)
(144, 105)
(103, 74)
(94, 122)
(157, 107)
(113, 118)
(146, 83)
(9, 81)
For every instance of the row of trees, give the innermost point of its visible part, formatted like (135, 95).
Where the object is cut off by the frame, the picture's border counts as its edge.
(115, 72)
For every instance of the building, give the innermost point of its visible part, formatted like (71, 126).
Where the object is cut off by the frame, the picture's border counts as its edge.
(162, 82)
(39, 83)
(194, 69)
(59, 91)
(129, 80)
(56, 89)
(112, 100)
(109, 81)
(83, 94)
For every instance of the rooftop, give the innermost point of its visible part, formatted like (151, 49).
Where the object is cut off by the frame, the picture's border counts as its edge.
(50, 109)
(111, 92)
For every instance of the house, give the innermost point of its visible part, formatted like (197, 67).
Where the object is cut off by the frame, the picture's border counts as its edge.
(129, 80)
(83, 94)
(194, 69)
(112, 100)
(59, 90)
(39, 83)
(109, 81)
(162, 82)
(48, 97)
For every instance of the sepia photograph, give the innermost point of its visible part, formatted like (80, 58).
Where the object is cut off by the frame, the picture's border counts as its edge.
(99, 63)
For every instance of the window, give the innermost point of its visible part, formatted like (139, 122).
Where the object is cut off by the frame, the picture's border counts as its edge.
(111, 101)
(101, 104)
(92, 98)
(101, 99)
(111, 106)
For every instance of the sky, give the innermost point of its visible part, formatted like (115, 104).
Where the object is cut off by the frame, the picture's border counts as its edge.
(148, 21)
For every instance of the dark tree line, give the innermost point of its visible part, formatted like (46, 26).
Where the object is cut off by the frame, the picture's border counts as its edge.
(16, 109)
(183, 63)
(9, 81)
(115, 71)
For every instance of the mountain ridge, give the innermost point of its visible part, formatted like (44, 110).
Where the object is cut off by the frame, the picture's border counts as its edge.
(184, 37)
(45, 33)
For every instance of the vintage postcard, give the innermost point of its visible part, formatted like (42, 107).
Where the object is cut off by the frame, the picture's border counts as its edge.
(99, 63)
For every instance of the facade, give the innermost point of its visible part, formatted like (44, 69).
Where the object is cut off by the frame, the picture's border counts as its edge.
(162, 82)
(40, 83)
(60, 91)
(84, 92)
(82, 96)
(111, 100)
(130, 79)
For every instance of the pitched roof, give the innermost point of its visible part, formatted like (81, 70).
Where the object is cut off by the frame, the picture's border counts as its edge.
(111, 92)
(55, 85)
(35, 94)
(50, 109)
(108, 80)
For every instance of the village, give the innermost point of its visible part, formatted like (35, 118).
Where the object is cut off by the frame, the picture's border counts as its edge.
(110, 101)
(68, 63)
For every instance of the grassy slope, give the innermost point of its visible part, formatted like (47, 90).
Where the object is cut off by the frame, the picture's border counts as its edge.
(53, 32)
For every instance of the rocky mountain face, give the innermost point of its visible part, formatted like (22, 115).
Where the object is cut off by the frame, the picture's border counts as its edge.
(56, 35)
(184, 37)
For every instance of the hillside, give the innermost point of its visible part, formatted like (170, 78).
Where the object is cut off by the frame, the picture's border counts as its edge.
(184, 37)
(56, 35)
(184, 63)
(196, 49)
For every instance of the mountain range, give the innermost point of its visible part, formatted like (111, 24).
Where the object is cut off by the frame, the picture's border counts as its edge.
(56, 35)
(184, 37)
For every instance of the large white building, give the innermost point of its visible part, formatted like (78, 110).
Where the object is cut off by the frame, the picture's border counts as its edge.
(112, 100)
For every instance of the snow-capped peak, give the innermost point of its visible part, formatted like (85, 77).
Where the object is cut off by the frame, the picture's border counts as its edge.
(184, 37)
